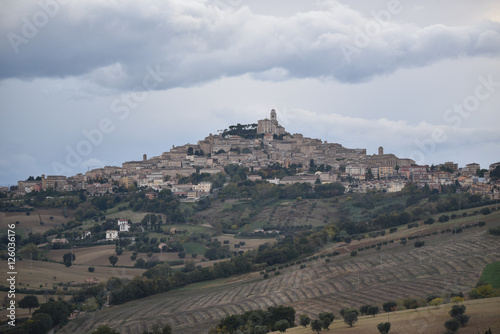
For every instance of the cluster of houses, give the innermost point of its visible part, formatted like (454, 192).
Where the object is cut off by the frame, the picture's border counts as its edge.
(272, 145)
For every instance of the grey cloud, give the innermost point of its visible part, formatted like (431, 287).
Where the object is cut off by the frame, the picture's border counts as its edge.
(195, 42)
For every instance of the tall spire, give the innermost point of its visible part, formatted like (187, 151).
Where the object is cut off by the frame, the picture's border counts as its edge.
(273, 115)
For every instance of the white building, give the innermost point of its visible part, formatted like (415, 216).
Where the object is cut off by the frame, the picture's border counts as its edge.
(204, 186)
(355, 169)
(111, 235)
(124, 225)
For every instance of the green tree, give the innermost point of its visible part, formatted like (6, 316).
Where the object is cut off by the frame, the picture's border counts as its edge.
(40, 323)
(282, 325)
(304, 320)
(384, 327)
(326, 318)
(458, 312)
(372, 310)
(68, 259)
(259, 329)
(29, 302)
(457, 299)
(436, 302)
(91, 305)
(463, 319)
(411, 303)
(113, 259)
(103, 329)
(390, 306)
(483, 291)
(316, 325)
(452, 325)
(59, 311)
(29, 251)
(350, 315)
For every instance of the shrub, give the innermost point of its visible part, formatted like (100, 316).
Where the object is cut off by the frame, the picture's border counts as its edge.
(372, 310)
(326, 318)
(354, 253)
(457, 294)
(443, 218)
(419, 243)
(411, 303)
(494, 231)
(282, 325)
(436, 302)
(462, 319)
(350, 316)
(456, 299)
(452, 325)
(485, 211)
(390, 306)
(304, 320)
(429, 221)
(91, 269)
(384, 327)
(483, 291)
(457, 310)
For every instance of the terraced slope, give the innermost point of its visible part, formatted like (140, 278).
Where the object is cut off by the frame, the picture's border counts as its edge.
(447, 263)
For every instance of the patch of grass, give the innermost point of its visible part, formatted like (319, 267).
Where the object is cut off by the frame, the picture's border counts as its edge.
(189, 228)
(194, 247)
(491, 274)
(254, 225)
(136, 217)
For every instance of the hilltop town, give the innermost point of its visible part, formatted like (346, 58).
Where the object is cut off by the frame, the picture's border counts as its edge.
(268, 217)
(258, 146)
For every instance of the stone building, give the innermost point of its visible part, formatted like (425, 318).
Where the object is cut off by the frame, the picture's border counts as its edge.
(270, 126)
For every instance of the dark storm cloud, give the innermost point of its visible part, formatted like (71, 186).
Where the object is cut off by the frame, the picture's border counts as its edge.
(192, 42)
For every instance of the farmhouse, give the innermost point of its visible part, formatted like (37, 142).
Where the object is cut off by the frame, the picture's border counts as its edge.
(124, 225)
(61, 241)
(111, 235)
(91, 280)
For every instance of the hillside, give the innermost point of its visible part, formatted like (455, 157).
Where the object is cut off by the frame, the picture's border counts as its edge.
(483, 315)
(447, 263)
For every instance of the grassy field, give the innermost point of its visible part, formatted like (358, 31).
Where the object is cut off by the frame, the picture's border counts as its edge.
(33, 274)
(491, 274)
(252, 243)
(99, 256)
(194, 248)
(483, 314)
(447, 263)
(135, 217)
(31, 224)
(39, 275)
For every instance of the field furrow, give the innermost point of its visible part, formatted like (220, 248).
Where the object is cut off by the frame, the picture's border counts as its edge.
(445, 264)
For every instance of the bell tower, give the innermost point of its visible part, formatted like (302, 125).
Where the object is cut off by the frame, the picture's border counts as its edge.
(273, 115)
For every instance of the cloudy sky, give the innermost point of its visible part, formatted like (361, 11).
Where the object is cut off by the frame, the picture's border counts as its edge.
(93, 83)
